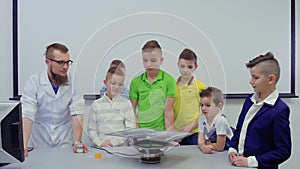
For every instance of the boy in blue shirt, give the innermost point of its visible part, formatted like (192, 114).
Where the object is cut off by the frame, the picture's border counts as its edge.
(124, 91)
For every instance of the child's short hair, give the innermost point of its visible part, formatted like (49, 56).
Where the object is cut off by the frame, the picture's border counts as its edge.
(268, 64)
(114, 70)
(215, 93)
(151, 46)
(117, 63)
(188, 54)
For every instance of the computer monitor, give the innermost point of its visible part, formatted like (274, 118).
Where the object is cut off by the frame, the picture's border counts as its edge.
(11, 133)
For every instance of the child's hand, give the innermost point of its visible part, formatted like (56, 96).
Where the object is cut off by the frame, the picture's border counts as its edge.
(106, 143)
(174, 143)
(25, 152)
(187, 128)
(239, 161)
(207, 149)
(171, 128)
(211, 147)
(231, 156)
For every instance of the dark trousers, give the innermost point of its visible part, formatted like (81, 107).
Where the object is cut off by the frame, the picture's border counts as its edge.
(190, 140)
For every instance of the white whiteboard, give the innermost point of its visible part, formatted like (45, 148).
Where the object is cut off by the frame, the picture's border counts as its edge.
(224, 34)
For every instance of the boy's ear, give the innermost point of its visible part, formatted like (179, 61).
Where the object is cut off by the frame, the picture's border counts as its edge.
(161, 60)
(104, 81)
(196, 66)
(220, 106)
(272, 79)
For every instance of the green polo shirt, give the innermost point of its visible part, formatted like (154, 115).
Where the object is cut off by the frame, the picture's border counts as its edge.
(151, 98)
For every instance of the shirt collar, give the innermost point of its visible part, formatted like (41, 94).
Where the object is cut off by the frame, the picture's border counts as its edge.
(158, 77)
(45, 78)
(271, 99)
(215, 118)
(190, 81)
(117, 97)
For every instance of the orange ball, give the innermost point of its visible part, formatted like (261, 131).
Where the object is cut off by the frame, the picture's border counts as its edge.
(98, 155)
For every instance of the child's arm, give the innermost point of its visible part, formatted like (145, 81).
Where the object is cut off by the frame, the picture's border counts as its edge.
(92, 129)
(134, 105)
(220, 144)
(190, 127)
(130, 118)
(169, 114)
(202, 144)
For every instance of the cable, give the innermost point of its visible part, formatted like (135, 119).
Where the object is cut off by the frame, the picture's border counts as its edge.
(137, 155)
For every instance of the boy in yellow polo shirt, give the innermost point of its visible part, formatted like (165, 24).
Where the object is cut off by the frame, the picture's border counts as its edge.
(187, 99)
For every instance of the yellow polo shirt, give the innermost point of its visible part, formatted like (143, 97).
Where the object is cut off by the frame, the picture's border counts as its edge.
(187, 104)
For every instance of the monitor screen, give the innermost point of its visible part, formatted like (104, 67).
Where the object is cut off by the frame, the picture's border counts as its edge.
(11, 140)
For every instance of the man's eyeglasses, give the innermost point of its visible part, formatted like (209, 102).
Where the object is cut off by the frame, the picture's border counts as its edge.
(62, 62)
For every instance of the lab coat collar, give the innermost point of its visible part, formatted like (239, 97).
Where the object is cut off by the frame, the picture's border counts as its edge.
(45, 79)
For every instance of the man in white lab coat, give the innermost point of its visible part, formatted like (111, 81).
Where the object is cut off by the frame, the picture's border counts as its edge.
(51, 105)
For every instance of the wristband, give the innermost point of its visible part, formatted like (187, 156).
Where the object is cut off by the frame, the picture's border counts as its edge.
(77, 142)
(79, 147)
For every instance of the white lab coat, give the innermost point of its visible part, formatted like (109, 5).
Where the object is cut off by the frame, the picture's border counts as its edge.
(50, 112)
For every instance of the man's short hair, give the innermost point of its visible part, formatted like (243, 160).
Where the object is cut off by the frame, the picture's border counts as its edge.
(55, 46)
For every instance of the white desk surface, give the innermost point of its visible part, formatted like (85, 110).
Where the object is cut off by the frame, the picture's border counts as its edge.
(183, 157)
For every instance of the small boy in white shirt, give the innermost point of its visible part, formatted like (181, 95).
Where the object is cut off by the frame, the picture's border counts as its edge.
(214, 131)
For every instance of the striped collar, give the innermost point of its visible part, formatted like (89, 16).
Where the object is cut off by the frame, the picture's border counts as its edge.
(190, 81)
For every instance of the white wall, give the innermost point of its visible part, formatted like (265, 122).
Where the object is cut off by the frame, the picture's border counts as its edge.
(232, 107)
(96, 32)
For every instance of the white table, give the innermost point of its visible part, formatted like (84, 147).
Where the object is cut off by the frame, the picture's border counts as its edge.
(183, 157)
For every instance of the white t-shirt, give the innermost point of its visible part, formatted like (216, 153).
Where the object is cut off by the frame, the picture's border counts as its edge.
(219, 125)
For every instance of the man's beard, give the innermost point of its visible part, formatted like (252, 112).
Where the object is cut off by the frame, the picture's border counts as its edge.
(58, 79)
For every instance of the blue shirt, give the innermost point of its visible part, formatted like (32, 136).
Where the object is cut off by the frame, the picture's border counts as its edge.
(124, 92)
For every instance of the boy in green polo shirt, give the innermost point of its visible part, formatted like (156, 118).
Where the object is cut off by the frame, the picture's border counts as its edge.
(153, 91)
